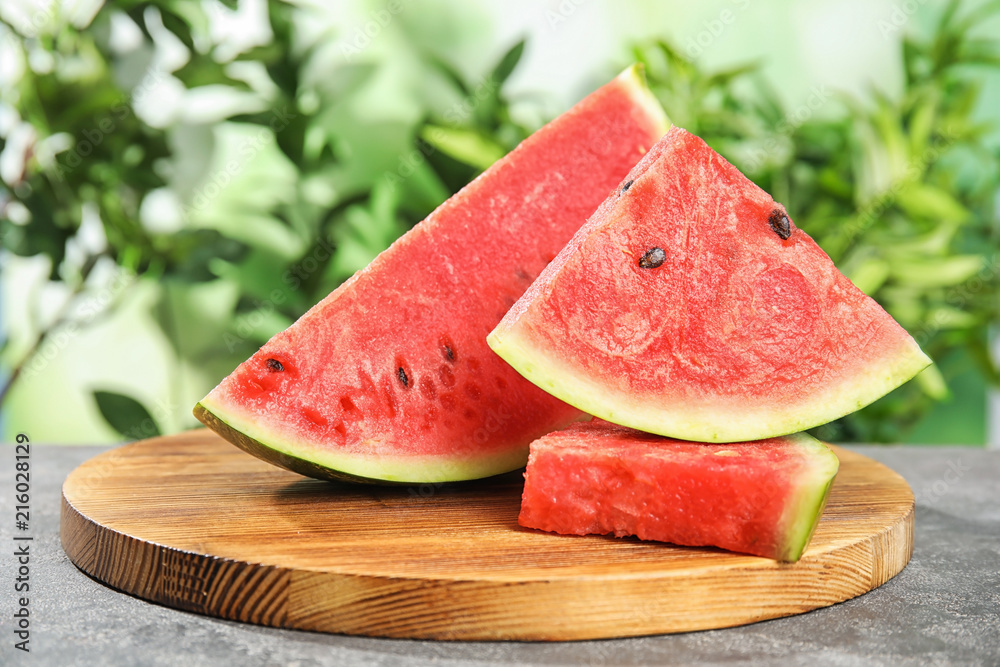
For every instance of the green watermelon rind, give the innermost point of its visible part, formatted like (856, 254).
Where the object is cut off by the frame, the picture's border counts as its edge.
(806, 508)
(344, 467)
(713, 420)
(635, 78)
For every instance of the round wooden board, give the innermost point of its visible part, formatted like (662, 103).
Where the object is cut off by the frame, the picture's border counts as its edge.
(192, 522)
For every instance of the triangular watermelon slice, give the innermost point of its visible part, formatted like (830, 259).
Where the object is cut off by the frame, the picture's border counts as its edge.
(691, 306)
(389, 378)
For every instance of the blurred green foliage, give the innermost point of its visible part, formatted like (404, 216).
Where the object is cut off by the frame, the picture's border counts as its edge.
(270, 206)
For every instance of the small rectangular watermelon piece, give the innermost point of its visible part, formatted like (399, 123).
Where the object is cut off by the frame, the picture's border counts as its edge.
(762, 498)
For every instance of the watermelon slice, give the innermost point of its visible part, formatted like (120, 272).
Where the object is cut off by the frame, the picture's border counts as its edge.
(691, 306)
(763, 498)
(389, 378)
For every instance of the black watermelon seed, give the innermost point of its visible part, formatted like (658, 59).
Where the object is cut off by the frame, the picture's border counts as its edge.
(653, 258)
(780, 224)
(627, 185)
(447, 347)
(274, 366)
(401, 374)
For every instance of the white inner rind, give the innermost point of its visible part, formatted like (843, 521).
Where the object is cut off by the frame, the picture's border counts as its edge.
(416, 468)
(716, 418)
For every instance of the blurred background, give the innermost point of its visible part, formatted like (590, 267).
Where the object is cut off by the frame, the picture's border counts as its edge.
(180, 180)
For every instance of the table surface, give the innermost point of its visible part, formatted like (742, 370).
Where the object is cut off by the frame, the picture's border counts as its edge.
(944, 608)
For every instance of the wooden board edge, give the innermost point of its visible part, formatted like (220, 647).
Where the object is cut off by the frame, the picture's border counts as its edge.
(541, 610)
(571, 610)
(209, 585)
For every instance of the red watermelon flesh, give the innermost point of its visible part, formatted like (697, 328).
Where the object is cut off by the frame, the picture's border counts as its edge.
(762, 498)
(691, 306)
(389, 378)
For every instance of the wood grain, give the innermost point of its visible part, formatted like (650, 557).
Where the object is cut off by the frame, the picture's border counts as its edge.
(192, 522)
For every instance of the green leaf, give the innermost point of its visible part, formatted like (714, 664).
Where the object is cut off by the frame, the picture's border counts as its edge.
(947, 16)
(178, 26)
(726, 77)
(921, 123)
(126, 415)
(980, 352)
(933, 383)
(947, 318)
(937, 272)
(204, 71)
(507, 63)
(936, 242)
(981, 51)
(978, 15)
(868, 275)
(920, 200)
(466, 146)
(887, 124)
(451, 74)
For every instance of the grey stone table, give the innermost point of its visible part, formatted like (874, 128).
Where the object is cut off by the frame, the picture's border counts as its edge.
(944, 608)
